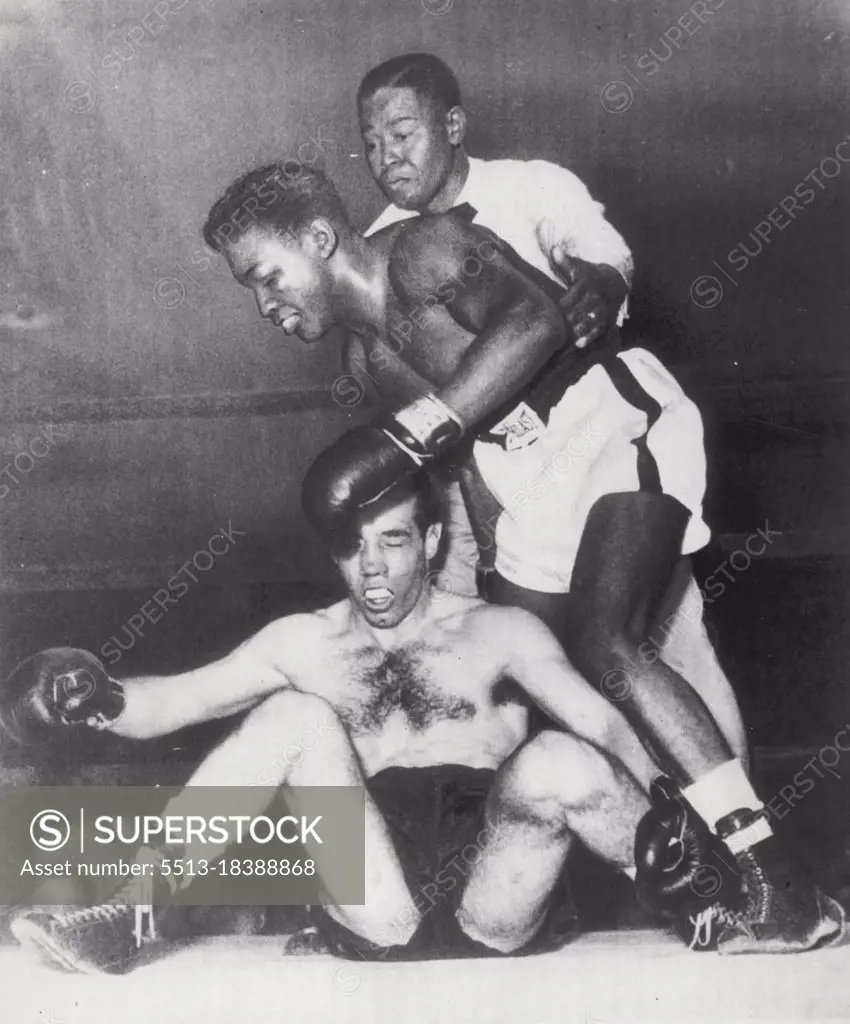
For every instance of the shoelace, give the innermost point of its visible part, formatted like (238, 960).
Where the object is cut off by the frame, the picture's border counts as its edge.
(704, 921)
(759, 893)
(107, 911)
(140, 889)
(137, 894)
(143, 912)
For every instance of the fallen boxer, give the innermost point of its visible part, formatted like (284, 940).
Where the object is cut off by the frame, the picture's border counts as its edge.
(411, 688)
(615, 521)
(409, 684)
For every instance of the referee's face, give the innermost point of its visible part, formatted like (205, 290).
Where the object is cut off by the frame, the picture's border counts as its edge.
(411, 146)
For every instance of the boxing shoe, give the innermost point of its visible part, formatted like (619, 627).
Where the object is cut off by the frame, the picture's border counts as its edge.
(779, 909)
(57, 688)
(108, 938)
(734, 892)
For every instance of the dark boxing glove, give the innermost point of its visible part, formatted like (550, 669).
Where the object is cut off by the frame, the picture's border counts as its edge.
(57, 688)
(681, 866)
(366, 462)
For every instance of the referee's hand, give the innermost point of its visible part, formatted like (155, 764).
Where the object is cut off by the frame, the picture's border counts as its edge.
(594, 295)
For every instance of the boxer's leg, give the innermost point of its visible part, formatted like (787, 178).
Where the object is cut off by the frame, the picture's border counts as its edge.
(266, 751)
(614, 586)
(627, 555)
(254, 756)
(604, 625)
(679, 634)
(629, 551)
(554, 789)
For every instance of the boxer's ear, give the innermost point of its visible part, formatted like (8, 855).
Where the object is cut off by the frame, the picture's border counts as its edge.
(324, 237)
(456, 125)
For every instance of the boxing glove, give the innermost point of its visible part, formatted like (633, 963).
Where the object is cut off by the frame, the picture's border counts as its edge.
(366, 462)
(681, 866)
(57, 688)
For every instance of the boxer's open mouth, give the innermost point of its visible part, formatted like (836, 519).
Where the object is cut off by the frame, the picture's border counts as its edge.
(377, 598)
(290, 323)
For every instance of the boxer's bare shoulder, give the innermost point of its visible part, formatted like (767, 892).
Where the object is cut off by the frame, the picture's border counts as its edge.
(428, 252)
(508, 638)
(452, 280)
(498, 624)
(289, 644)
(458, 618)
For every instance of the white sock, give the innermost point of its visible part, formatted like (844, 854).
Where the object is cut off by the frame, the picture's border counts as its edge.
(722, 791)
(631, 872)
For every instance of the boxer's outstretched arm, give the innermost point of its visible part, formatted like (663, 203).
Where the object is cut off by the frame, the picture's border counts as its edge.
(158, 705)
(536, 661)
(445, 261)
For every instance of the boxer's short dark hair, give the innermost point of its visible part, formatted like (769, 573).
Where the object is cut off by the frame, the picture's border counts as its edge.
(426, 74)
(281, 197)
(430, 510)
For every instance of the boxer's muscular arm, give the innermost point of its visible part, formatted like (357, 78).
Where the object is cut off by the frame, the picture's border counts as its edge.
(515, 329)
(536, 661)
(358, 382)
(158, 705)
(444, 261)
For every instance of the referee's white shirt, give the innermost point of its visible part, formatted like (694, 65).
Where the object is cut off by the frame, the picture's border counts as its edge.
(532, 205)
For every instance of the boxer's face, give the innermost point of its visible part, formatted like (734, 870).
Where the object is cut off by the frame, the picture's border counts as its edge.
(411, 145)
(290, 279)
(386, 572)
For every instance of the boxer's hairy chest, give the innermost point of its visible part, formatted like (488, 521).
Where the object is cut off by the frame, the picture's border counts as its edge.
(444, 700)
(415, 687)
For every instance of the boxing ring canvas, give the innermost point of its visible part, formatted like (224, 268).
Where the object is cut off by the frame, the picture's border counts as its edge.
(604, 978)
(146, 409)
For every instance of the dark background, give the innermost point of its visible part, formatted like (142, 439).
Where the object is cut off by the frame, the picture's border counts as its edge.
(182, 411)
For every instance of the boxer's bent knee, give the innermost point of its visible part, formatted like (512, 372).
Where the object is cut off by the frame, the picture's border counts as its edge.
(555, 773)
(295, 707)
(503, 941)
